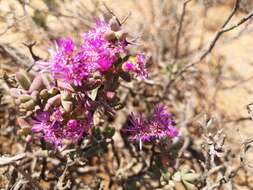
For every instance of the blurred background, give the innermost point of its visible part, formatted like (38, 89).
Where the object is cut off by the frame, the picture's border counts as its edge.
(218, 87)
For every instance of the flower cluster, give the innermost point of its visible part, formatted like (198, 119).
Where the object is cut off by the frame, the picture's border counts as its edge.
(158, 126)
(102, 46)
(58, 102)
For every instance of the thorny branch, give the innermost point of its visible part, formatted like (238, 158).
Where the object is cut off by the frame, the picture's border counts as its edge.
(180, 27)
(61, 183)
(222, 30)
(35, 57)
(33, 182)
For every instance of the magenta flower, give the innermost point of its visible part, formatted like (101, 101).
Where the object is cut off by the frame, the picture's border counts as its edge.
(96, 55)
(136, 65)
(53, 129)
(67, 65)
(158, 126)
(97, 50)
(50, 130)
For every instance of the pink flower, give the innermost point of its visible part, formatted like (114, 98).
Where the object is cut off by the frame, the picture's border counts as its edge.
(98, 50)
(136, 65)
(53, 129)
(159, 125)
(96, 54)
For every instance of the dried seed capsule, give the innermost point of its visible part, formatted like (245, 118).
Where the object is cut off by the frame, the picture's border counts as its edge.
(114, 25)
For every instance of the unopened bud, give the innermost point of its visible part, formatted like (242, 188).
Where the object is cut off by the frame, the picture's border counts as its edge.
(28, 138)
(121, 35)
(114, 25)
(110, 35)
(109, 132)
(53, 91)
(44, 94)
(110, 95)
(54, 101)
(96, 131)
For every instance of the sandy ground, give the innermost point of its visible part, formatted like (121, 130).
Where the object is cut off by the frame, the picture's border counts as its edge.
(236, 53)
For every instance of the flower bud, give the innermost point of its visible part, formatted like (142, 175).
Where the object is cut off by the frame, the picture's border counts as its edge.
(29, 113)
(72, 123)
(121, 35)
(110, 95)
(114, 25)
(110, 36)
(127, 66)
(96, 131)
(54, 101)
(53, 91)
(44, 94)
(28, 138)
(109, 132)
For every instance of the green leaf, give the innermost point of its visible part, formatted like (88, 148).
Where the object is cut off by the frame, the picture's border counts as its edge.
(23, 79)
(93, 93)
(177, 176)
(189, 186)
(190, 176)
